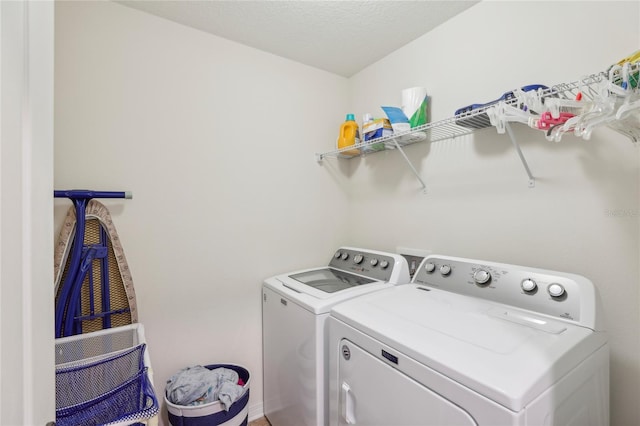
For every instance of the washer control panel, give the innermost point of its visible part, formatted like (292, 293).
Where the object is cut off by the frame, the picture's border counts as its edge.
(552, 293)
(376, 265)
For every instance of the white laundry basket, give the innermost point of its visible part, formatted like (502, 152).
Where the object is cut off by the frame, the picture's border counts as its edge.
(213, 413)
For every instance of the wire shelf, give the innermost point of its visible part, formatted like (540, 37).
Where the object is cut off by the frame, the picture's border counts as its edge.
(430, 132)
(469, 122)
(539, 107)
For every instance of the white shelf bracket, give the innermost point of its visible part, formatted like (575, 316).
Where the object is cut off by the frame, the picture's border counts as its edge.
(532, 180)
(413, 169)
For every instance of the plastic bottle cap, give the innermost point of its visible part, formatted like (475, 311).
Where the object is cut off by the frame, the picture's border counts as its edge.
(351, 117)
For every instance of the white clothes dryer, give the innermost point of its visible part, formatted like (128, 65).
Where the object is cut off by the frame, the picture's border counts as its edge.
(294, 312)
(471, 342)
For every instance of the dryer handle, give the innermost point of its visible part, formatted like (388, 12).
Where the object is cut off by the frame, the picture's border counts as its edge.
(347, 404)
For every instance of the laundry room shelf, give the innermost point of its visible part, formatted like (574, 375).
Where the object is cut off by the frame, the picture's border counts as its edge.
(430, 132)
(568, 97)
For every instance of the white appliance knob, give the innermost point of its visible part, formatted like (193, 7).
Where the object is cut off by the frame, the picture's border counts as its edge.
(445, 269)
(430, 267)
(555, 290)
(528, 285)
(357, 258)
(344, 256)
(384, 264)
(337, 255)
(374, 262)
(481, 276)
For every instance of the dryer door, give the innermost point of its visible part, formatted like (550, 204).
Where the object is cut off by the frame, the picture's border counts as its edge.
(373, 393)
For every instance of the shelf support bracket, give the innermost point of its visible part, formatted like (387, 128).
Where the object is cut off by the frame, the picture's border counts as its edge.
(413, 169)
(532, 180)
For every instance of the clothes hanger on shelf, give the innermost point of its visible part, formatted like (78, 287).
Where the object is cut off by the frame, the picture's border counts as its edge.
(503, 113)
(611, 98)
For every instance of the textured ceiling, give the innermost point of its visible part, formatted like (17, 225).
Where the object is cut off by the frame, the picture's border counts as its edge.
(341, 37)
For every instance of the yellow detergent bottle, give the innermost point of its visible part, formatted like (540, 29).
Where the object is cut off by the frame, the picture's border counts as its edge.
(349, 135)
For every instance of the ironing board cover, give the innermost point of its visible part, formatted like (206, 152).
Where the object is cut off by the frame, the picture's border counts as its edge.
(121, 290)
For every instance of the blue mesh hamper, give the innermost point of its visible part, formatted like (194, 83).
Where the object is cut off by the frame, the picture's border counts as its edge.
(103, 378)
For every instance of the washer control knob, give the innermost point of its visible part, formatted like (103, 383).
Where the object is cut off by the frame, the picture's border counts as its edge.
(555, 290)
(528, 285)
(373, 261)
(384, 264)
(358, 258)
(445, 269)
(481, 276)
(344, 256)
(337, 255)
(430, 267)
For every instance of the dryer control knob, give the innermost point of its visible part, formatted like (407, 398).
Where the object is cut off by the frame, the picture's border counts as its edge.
(430, 267)
(337, 255)
(358, 258)
(344, 256)
(384, 264)
(445, 269)
(373, 261)
(555, 290)
(481, 276)
(528, 285)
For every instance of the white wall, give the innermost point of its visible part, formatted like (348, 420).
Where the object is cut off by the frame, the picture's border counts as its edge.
(217, 142)
(583, 214)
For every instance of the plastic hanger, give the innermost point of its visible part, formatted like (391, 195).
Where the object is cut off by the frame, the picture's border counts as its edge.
(547, 121)
(532, 100)
(621, 99)
(555, 133)
(503, 113)
(634, 57)
(629, 127)
(627, 116)
(577, 106)
(628, 108)
(632, 98)
(610, 97)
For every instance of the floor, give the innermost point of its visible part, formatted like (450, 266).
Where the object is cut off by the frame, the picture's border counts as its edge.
(262, 421)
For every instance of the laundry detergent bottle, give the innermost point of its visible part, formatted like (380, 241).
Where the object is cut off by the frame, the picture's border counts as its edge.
(349, 135)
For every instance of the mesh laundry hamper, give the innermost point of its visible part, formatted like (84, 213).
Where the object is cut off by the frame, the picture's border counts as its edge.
(104, 378)
(213, 413)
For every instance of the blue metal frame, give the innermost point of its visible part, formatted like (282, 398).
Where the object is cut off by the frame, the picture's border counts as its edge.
(68, 319)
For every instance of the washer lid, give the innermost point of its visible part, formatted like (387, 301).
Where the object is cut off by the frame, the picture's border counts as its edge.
(507, 355)
(330, 280)
(315, 298)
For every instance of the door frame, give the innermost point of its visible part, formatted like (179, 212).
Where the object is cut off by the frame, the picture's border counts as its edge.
(27, 374)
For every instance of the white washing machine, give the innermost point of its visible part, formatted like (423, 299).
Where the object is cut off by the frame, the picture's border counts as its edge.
(470, 342)
(294, 312)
